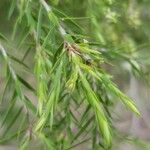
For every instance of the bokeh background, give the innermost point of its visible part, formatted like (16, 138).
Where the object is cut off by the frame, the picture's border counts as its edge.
(125, 25)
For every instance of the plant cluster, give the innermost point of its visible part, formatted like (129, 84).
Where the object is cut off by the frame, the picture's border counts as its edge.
(72, 93)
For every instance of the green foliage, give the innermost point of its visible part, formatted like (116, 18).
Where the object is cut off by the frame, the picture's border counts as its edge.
(72, 94)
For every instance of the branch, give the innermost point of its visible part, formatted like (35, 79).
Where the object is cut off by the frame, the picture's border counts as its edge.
(49, 9)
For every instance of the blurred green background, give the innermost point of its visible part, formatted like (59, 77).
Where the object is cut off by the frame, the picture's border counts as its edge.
(123, 25)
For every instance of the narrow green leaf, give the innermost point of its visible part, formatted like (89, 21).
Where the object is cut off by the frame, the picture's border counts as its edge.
(12, 7)
(47, 141)
(5, 89)
(3, 37)
(10, 137)
(30, 105)
(25, 83)
(18, 61)
(82, 129)
(13, 120)
(10, 107)
(39, 24)
(78, 144)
